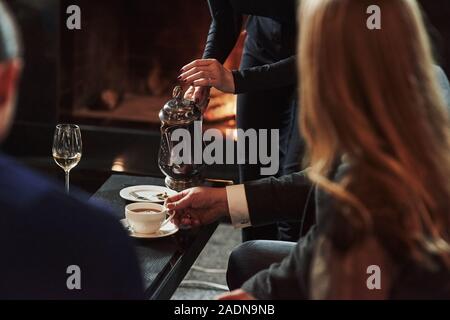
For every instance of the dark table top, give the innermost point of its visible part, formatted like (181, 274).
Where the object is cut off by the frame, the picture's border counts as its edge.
(164, 262)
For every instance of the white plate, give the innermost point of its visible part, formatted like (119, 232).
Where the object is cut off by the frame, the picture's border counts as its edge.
(149, 192)
(167, 230)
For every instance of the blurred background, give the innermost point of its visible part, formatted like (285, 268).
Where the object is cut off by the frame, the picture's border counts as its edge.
(115, 74)
(112, 77)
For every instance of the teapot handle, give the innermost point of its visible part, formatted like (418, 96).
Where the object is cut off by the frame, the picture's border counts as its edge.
(177, 93)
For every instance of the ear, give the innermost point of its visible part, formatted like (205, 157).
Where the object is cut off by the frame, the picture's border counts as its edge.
(9, 76)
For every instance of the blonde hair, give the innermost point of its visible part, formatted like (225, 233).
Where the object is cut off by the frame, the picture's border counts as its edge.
(373, 96)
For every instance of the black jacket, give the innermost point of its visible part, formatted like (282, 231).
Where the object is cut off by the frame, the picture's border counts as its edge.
(288, 198)
(271, 38)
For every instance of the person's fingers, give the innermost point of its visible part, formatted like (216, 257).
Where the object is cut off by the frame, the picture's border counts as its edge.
(171, 202)
(201, 94)
(200, 75)
(201, 91)
(186, 221)
(196, 216)
(202, 103)
(191, 90)
(198, 96)
(181, 203)
(196, 222)
(205, 82)
(190, 93)
(227, 296)
(236, 295)
(176, 221)
(193, 71)
(176, 197)
(176, 215)
(197, 63)
(182, 217)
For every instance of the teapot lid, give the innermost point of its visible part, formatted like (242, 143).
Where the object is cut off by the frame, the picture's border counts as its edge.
(179, 110)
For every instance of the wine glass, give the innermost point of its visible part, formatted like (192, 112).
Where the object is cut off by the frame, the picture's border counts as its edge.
(67, 148)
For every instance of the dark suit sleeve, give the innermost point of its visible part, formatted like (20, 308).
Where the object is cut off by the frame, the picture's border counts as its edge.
(289, 279)
(224, 30)
(280, 199)
(283, 11)
(270, 76)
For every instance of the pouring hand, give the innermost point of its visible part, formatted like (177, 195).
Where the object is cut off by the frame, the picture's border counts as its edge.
(208, 73)
(200, 95)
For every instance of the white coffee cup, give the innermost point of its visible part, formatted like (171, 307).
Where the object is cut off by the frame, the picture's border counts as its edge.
(145, 221)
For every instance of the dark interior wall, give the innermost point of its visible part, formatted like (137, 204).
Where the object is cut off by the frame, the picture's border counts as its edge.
(438, 16)
(135, 46)
(120, 42)
(39, 25)
(42, 26)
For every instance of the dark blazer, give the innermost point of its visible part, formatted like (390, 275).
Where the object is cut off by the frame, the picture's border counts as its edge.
(271, 38)
(44, 232)
(288, 198)
(275, 200)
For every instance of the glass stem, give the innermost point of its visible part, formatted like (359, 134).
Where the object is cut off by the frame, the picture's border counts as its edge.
(67, 182)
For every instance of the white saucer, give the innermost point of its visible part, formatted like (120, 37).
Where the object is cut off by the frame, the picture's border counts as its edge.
(148, 192)
(167, 230)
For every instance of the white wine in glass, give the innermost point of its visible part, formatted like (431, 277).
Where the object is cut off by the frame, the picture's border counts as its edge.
(67, 148)
(69, 163)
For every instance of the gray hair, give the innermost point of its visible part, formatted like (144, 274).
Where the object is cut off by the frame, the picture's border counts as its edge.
(10, 45)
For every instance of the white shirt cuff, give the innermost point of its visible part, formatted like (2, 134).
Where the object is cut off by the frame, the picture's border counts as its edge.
(238, 206)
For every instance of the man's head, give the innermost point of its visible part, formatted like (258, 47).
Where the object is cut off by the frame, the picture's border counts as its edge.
(10, 66)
